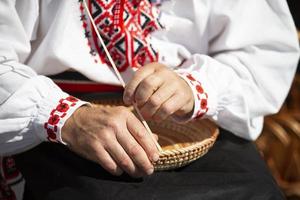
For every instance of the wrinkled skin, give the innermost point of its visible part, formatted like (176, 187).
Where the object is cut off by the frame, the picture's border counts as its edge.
(113, 136)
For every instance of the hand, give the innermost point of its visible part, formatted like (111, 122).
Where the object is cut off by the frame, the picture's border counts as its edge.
(112, 137)
(159, 93)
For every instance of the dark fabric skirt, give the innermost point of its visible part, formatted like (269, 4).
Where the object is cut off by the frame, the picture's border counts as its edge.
(232, 169)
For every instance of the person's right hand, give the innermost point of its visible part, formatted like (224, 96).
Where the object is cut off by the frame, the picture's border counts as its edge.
(112, 137)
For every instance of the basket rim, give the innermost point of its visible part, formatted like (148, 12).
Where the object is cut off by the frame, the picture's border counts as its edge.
(211, 139)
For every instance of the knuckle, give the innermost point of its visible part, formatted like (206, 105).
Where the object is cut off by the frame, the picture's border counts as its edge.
(125, 163)
(140, 134)
(154, 101)
(166, 110)
(134, 150)
(182, 93)
(94, 145)
(158, 96)
(106, 135)
(114, 125)
(147, 83)
(139, 98)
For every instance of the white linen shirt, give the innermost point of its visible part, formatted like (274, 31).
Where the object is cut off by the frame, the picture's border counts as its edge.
(242, 52)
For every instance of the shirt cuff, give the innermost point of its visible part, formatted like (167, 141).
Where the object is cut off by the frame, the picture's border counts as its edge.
(53, 114)
(203, 104)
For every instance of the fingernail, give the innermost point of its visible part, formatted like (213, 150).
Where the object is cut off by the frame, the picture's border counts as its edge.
(150, 171)
(118, 172)
(155, 157)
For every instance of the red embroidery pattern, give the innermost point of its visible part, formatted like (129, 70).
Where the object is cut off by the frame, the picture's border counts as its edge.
(56, 115)
(10, 170)
(201, 96)
(7, 166)
(6, 193)
(87, 31)
(125, 26)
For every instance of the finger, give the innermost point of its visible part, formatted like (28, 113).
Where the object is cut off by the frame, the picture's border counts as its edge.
(146, 88)
(136, 153)
(131, 86)
(157, 100)
(144, 138)
(120, 157)
(169, 107)
(155, 136)
(105, 160)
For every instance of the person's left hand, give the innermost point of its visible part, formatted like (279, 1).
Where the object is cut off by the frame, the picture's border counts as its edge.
(159, 93)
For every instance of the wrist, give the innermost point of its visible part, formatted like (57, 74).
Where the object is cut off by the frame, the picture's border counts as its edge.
(71, 125)
(187, 110)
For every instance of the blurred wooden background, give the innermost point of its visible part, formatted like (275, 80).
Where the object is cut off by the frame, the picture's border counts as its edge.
(280, 141)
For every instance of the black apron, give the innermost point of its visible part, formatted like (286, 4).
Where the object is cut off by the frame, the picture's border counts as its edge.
(232, 169)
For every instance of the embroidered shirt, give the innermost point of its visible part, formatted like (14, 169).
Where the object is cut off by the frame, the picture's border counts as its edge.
(238, 56)
(125, 27)
(234, 61)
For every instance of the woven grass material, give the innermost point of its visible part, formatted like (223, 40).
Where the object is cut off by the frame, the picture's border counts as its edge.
(181, 143)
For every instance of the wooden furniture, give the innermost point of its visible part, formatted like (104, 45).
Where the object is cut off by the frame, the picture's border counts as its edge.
(279, 143)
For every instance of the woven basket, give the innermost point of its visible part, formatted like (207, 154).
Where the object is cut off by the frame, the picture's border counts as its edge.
(181, 143)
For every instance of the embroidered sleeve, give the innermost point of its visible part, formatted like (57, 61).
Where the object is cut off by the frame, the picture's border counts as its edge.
(58, 116)
(205, 101)
(200, 96)
(53, 110)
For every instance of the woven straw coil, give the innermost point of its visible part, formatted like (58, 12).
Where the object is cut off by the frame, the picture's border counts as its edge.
(181, 143)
